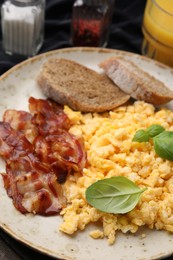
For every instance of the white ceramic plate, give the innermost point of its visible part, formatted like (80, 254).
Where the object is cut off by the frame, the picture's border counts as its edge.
(42, 233)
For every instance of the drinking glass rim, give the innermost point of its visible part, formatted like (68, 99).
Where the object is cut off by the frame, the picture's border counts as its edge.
(162, 9)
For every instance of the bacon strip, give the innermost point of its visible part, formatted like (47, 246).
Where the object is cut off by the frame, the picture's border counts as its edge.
(21, 121)
(39, 153)
(62, 151)
(48, 116)
(12, 143)
(33, 188)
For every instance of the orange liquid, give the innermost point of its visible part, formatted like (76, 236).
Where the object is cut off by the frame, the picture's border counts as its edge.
(158, 31)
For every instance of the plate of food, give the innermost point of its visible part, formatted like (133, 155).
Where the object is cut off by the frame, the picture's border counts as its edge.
(86, 158)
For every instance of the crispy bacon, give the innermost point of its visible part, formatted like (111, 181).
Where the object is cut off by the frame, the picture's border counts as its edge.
(62, 151)
(18, 120)
(31, 185)
(39, 153)
(32, 190)
(48, 116)
(13, 143)
(21, 121)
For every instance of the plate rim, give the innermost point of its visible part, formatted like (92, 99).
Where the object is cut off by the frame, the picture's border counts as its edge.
(82, 49)
(4, 227)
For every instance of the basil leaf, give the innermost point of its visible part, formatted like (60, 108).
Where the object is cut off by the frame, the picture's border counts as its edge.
(141, 136)
(163, 145)
(116, 195)
(154, 130)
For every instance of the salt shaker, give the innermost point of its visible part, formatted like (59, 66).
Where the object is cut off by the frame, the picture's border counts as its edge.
(23, 26)
(90, 22)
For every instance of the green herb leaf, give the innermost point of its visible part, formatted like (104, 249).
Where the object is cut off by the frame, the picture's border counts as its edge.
(116, 195)
(141, 136)
(163, 145)
(154, 130)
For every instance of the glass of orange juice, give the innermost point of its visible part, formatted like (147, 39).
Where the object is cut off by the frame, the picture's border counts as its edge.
(157, 29)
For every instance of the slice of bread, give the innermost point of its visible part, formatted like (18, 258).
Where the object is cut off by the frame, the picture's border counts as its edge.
(70, 83)
(136, 82)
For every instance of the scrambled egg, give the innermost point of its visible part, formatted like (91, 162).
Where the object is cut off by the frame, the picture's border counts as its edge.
(111, 152)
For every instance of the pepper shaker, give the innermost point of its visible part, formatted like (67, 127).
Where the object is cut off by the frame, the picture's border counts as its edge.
(22, 26)
(90, 22)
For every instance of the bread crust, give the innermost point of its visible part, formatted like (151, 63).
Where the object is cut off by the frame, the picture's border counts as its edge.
(70, 83)
(134, 81)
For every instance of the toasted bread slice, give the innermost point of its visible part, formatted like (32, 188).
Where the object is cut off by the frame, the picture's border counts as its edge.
(70, 83)
(136, 82)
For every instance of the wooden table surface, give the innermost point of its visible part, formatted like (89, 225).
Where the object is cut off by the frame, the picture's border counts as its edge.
(10, 249)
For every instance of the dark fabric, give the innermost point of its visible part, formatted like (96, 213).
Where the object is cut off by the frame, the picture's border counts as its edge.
(125, 31)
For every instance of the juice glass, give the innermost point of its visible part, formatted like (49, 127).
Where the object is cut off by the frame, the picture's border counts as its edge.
(157, 29)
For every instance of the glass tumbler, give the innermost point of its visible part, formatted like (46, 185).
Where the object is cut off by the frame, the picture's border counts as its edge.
(91, 21)
(157, 29)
